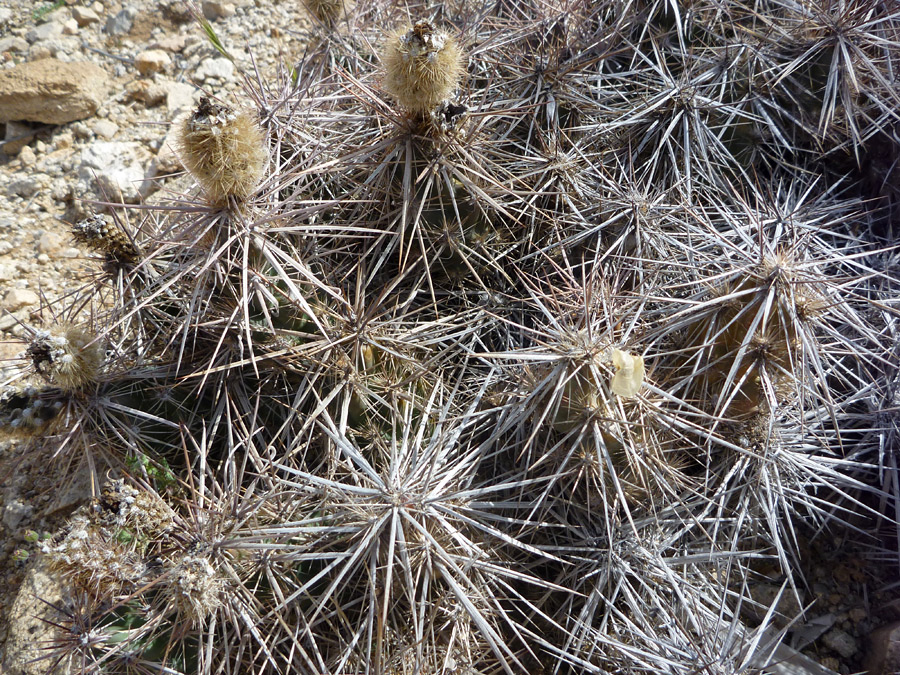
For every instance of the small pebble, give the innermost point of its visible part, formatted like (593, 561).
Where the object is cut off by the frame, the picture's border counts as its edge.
(841, 642)
(27, 156)
(84, 16)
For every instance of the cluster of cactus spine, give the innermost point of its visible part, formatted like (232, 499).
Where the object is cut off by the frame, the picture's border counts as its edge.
(511, 344)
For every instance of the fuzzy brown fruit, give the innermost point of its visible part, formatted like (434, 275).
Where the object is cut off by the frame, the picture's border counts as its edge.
(422, 67)
(328, 12)
(224, 150)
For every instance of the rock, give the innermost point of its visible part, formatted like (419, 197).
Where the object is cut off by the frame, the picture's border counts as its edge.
(27, 156)
(18, 135)
(15, 512)
(25, 187)
(85, 16)
(167, 160)
(221, 68)
(116, 170)
(52, 91)
(883, 657)
(39, 52)
(841, 642)
(45, 31)
(13, 44)
(30, 621)
(179, 97)
(63, 140)
(17, 298)
(5, 15)
(49, 243)
(214, 9)
(171, 43)
(147, 92)
(70, 27)
(121, 23)
(105, 129)
(176, 11)
(151, 61)
(81, 131)
(73, 493)
(764, 595)
(7, 322)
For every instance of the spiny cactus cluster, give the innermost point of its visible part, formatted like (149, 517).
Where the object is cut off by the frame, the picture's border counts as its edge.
(512, 338)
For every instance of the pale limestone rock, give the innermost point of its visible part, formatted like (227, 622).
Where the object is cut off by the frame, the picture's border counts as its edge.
(27, 156)
(13, 44)
(105, 129)
(221, 69)
(29, 621)
(17, 298)
(52, 91)
(170, 43)
(179, 97)
(215, 9)
(116, 170)
(85, 16)
(45, 31)
(50, 242)
(151, 61)
(18, 135)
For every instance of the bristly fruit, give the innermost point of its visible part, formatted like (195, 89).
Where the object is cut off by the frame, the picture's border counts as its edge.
(422, 67)
(68, 357)
(328, 12)
(224, 150)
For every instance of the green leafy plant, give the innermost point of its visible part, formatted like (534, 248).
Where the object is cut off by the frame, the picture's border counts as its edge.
(42, 11)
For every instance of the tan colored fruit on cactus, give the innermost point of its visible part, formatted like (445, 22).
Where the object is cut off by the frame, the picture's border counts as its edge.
(224, 150)
(69, 357)
(328, 11)
(422, 66)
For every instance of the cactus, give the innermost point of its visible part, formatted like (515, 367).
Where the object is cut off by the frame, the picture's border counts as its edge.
(513, 346)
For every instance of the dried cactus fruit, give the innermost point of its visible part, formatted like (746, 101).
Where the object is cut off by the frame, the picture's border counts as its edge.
(422, 67)
(68, 356)
(224, 150)
(102, 236)
(328, 11)
(196, 588)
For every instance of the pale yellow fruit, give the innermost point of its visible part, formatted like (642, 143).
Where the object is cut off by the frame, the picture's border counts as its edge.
(422, 67)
